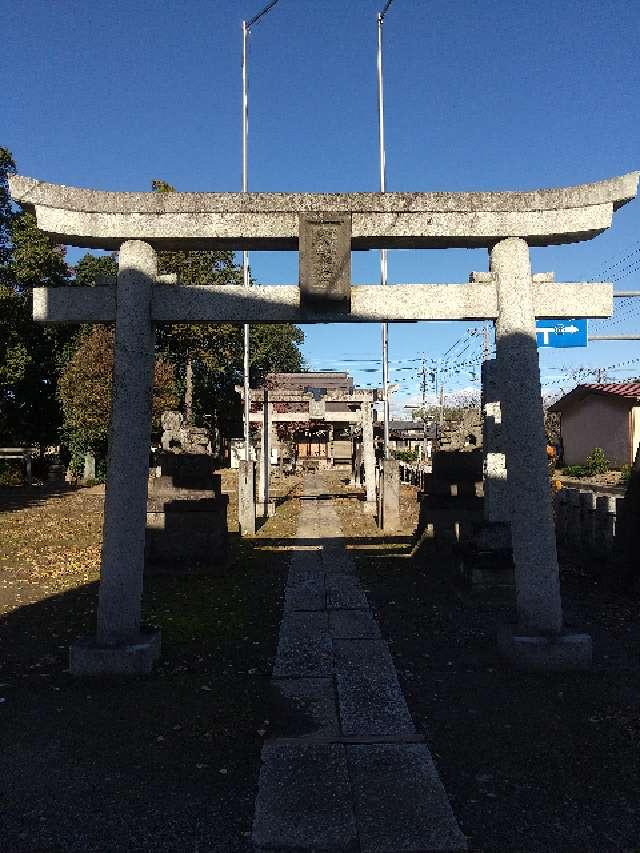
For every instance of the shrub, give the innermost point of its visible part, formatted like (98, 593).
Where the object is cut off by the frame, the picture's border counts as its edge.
(406, 455)
(576, 471)
(11, 472)
(625, 473)
(597, 462)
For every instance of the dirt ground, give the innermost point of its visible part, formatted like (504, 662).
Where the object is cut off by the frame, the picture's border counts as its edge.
(170, 762)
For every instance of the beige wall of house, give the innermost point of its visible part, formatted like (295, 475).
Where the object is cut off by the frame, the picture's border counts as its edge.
(635, 431)
(599, 421)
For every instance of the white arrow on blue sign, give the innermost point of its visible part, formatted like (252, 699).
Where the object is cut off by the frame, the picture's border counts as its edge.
(561, 333)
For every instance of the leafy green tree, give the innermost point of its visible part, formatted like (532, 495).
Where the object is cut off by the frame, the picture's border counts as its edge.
(91, 268)
(85, 390)
(29, 353)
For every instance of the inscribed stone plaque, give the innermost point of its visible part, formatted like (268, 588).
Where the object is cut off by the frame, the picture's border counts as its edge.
(316, 410)
(325, 262)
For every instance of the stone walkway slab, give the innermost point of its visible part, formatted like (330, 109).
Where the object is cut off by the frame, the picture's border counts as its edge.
(304, 648)
(400, 802)
(349, 772)
(312, 706)
(344, 592)
(369, 695)
(304, 800)
(305, 593)
(353, 625)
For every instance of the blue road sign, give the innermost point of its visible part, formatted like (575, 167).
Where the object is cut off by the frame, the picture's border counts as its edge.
(561, 333)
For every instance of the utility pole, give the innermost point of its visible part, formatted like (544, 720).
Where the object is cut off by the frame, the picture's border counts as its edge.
(383, 252)
(246, 29)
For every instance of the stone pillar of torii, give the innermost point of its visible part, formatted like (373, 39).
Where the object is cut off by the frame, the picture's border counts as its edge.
(326, 228)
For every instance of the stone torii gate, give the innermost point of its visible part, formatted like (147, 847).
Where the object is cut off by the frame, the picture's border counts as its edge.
(325, 228)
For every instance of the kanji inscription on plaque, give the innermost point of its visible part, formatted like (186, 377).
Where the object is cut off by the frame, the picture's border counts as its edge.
(325, 263)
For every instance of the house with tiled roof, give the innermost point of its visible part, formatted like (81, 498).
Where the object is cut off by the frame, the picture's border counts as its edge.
(600, 415)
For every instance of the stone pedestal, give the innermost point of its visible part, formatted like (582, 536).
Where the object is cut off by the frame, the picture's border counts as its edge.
(87, 658)
(125, 509)
(246, 498)
(186, 516)
(537, 653)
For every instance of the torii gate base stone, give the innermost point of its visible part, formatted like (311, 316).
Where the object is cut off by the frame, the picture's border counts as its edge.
(507, 224)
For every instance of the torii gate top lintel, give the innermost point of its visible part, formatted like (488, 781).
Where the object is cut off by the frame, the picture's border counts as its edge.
(191, 220)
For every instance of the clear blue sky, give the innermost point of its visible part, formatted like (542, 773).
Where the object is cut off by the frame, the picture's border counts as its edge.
(479, 95)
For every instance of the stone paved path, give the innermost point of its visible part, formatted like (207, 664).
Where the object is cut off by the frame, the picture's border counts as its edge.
(354, 775)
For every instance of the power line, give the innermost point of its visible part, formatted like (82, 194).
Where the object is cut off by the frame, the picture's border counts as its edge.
(261, 14)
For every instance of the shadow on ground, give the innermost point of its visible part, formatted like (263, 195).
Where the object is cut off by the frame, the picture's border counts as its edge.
(167, 763)
(535, 762)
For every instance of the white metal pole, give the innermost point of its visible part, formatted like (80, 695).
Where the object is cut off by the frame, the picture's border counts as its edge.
(245, 254)
(383, 252)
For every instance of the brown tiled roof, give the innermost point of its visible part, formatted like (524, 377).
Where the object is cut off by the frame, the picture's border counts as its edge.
(626, 390)
(621, 389)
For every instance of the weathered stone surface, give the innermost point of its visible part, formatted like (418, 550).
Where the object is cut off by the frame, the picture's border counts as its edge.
(312, 709)
(305, 565)
(88, 659)
(369, 696)
(353, 625)
(344, 592)
(335, 560)
(390, 495)
(369, 457)
(89, 468)
(304, 647)
(325, 263)
(558, 653)
(31, 192)
(305, 593)
(400, 802)
(281, 304)
(125, 507)
(246, 498)
(74, 304)
(271, 220)
(530, 509)
(304, 800)
(496, 498)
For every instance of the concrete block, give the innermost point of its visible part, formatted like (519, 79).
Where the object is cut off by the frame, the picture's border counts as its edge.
(87, 658)
(558, 653)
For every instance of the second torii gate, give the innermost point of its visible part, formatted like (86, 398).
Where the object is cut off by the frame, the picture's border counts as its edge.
(326, 228)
